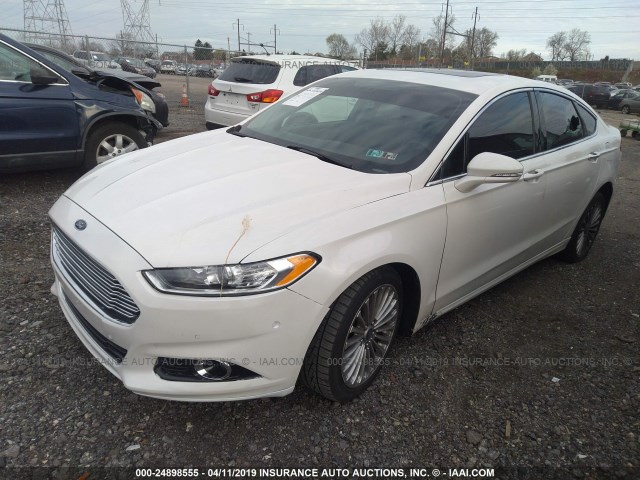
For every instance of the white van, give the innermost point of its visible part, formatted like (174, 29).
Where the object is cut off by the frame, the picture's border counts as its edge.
(547, 78)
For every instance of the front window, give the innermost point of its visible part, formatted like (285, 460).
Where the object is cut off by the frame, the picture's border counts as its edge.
(505, 127)
(371, 125)
(16, 66)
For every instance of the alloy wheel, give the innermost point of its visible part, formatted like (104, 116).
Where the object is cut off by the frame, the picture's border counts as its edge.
(589, 226)
(370, 335)
(114, 145)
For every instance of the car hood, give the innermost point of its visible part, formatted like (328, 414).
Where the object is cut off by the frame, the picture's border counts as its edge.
(130, 77)
(187, 202)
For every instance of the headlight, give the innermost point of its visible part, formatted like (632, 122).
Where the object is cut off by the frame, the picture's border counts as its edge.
(239, 279)
(144, 100)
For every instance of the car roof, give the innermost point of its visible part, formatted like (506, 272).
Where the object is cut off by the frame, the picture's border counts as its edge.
(463, 80)
(288, 58)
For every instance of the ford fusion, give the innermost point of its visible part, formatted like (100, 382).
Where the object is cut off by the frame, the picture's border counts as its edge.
(296, 245)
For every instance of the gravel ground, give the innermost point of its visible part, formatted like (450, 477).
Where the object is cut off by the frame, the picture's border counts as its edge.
(541, 372)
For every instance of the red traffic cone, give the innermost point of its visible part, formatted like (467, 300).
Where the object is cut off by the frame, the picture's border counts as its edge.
(184, 101)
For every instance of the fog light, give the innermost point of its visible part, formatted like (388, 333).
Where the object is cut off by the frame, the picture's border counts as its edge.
(200, 370)
(212, 369)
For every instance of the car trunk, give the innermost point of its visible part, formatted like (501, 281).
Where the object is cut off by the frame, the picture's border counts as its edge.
(244, 77)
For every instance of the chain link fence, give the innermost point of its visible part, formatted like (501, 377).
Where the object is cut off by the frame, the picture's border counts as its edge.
(146, 58)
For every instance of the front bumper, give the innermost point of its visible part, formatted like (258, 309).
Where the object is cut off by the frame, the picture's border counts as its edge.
(267, 334)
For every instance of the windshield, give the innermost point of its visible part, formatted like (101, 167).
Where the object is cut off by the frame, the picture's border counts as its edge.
(375, 126)
(250, 71)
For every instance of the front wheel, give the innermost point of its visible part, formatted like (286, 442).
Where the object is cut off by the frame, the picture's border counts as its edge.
(351, 345)
(626, 109)
(109, 141)
(586, 231)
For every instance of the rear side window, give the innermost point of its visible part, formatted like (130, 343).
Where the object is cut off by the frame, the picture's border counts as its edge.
(588, 120)
(562, 123)
(345, 68)
(251, 71)
(311, 73)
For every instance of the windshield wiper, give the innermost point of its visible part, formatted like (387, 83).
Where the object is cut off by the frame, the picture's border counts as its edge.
(319, 155)
(242, 79)
(235, 130)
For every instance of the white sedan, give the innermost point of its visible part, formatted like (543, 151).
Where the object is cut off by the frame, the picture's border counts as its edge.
(228, 264)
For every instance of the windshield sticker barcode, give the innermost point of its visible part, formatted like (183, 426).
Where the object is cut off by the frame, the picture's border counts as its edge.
(372, 152)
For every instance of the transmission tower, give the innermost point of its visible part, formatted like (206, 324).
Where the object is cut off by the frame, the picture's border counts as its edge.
(137, 21)
(49, 19)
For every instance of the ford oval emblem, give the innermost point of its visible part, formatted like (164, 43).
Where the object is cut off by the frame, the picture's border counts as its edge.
(80, 224)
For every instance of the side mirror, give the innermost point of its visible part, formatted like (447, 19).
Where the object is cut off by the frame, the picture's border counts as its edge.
(487, 167)
(40, 76)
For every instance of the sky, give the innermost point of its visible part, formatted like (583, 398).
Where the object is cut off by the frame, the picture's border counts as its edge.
(303, 25)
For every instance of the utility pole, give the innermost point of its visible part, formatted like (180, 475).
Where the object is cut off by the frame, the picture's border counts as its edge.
(249, 41)
(238, 24)
(473, 37)
(229, 50)
(276, 32)
(444, 34)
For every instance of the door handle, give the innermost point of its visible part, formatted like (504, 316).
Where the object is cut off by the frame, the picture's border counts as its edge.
(593, 157)
(532, 175)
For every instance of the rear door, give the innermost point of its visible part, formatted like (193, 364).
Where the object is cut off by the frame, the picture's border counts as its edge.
(570, 161)
(38, 123)
(244, 77)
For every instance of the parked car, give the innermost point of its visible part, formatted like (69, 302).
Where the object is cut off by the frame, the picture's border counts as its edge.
(631, 103)
(623, 85)
(252, 83)
(181, 69)
(153, 63)
(547, 78)
(565, 82)
(597, 95)
(367, 204)
(203, 71)
(96, 60)
(136, 66)
(153, 102)
(614, 102)
(53, 118)
(168, 66)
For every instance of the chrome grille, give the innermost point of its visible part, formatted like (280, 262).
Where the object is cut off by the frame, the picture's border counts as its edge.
(98, 284)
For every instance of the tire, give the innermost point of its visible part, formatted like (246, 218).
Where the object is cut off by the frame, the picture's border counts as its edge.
(634, 134)
(626, 109)
(102, 143)
(336, 370)
(623, 132)
(586, 230)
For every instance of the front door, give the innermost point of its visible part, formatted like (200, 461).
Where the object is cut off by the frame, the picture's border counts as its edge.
(38, 123)
(496, 227)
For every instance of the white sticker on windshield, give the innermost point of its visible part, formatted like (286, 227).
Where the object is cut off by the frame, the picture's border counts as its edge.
(305, 96)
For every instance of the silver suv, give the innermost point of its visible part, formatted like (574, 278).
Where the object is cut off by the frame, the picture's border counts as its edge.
(96, 59)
